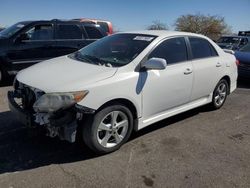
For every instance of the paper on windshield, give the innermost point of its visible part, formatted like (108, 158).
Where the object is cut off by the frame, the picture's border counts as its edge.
(144, 38)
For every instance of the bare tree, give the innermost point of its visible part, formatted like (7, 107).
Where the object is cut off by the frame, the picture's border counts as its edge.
(211, 26)
(157, 25)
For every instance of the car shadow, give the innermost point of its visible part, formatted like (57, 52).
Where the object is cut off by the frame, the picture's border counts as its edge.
(243, 83)
(23, 149)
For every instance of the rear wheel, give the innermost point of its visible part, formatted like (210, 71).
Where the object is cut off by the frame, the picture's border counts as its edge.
(109, 129)
(220, 94)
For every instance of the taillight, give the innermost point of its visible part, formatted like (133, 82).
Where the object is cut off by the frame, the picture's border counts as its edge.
(237, 62)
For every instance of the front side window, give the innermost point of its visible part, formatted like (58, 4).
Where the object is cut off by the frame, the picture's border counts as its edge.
(115, 50)
(40, 32)
(201, 48)
(68, 31)
(172, 50)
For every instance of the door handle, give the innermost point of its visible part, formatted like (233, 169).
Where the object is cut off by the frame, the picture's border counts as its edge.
(218, 64)
(188, 71)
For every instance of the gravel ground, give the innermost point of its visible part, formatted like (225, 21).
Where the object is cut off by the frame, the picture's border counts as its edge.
(199, 148)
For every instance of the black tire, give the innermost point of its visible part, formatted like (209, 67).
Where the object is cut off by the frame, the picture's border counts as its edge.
(91, 133)
(3, 76)
(215, 104)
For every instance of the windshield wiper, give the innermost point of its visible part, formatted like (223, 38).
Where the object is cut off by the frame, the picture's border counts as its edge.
(78, 56)
(94, 59)
(90, 59)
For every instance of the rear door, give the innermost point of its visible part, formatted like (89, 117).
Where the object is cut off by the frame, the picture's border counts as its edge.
(69, 38)
(207, 66)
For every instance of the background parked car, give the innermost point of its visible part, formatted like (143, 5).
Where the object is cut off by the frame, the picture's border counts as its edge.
(232, 42)
(105, 25)
(29, 42)
(243, 56)
(244, 33)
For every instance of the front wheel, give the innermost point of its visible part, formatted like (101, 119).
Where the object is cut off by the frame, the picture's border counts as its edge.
(220, 94)
(109, 129)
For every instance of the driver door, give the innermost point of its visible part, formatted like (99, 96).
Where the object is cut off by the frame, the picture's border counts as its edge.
(32, 46)
(169, 88)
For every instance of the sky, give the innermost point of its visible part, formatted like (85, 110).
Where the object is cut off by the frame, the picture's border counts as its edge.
(127, 14)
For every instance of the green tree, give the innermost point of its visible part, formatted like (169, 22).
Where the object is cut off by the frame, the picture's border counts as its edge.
(210, 26)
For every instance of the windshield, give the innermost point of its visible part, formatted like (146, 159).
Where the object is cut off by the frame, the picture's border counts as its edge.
(115, 50)
(245, 48)
(8, 32)
(230, 40)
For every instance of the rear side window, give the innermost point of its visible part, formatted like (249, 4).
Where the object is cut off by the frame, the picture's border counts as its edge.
(201, 48)
(93, 32)
(68, 31)
(172, 50)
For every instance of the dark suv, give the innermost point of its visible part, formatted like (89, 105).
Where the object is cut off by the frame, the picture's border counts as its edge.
(29, 42)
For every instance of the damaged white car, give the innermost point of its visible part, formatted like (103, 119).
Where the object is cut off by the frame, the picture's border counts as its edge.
(121, 83)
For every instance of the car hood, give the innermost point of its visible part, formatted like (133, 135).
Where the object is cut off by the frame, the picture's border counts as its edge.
(242, 56)
(63, 74)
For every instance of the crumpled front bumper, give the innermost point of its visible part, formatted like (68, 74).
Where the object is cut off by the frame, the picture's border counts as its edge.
(65, 126)
(62, 124)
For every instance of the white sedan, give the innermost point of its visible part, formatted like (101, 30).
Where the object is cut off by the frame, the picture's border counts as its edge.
(121, 83)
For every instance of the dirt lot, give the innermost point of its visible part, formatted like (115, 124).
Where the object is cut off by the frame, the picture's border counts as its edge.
(199, 148)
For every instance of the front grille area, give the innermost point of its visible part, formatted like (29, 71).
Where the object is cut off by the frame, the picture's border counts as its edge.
(28, 98)
(28, 95)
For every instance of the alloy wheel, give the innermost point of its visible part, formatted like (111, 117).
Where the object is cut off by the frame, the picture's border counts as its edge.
(220, 94)
(112, 129)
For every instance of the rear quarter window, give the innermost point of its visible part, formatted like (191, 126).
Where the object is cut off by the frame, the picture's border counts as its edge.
(93, 32)
(104, 26)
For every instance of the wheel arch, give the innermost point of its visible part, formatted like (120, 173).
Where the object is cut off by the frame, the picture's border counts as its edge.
(129, 104)
(227, 78)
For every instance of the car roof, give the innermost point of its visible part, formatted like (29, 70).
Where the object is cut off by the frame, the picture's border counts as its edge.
(56, 20)
(163, 33)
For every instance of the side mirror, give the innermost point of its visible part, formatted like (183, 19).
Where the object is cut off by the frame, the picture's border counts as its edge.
(155, 64)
